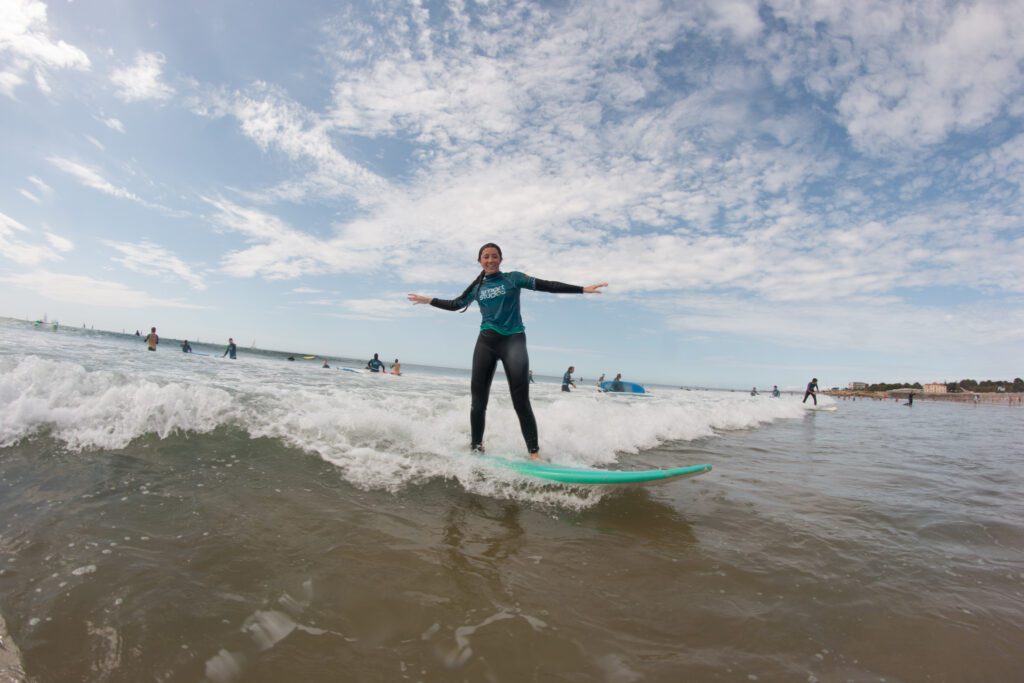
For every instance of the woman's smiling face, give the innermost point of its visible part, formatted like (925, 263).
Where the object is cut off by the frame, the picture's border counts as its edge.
(490, 260)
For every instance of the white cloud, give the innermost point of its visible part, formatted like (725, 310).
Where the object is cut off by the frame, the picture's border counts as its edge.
(532, 127)
(738, 16)
(59, 243)
(40, 185)
(143, 79)
(92, 178)
(903, 74)
(113, 123)
(20, 251)
(28, 195)
(79, 289)
(9, 82)
(272, 120)
(152, 259)
(280, 251)
(26, 46)
(42, 83)
(96, 143)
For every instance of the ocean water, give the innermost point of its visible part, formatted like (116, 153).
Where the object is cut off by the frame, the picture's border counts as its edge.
(189, 518)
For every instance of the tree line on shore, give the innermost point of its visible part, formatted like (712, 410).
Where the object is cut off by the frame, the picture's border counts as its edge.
(965, 385)
(986, 386)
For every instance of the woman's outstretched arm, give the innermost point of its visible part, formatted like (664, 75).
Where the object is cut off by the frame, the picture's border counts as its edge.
(561, 288)
(444, 304)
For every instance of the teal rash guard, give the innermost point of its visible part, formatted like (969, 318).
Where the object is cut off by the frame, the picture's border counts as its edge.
(498, 298)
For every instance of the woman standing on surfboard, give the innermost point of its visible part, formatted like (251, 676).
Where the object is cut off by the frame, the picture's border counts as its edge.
(502, 337)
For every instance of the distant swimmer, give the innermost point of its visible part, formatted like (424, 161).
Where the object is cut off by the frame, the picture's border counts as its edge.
(375, 364)
(186, 347)
(531, 377)
(567, 379)
(617, 383)
(326, 365)
(502, 337)
(291, 357)
(232, 349)
(152, 339)
(775, 391)
(600, 379)
(137, 334)
(753, 392)
(812, 391)
(396, 368)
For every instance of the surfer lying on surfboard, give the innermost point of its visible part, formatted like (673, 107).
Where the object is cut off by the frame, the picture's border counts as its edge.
(502, 337)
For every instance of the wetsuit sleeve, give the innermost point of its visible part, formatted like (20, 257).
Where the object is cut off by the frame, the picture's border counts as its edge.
(525, 281)
(555, 287)
(447, 304)
(453, 304)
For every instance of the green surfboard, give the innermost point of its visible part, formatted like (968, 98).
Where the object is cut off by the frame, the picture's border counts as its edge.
(578, 475)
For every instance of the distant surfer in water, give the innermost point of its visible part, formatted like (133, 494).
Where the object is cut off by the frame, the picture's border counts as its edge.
(812, 391)
(152, 339)
(396, 368)
(567, 378)
(375, 364)
(775, 391)
(502, 337)
(232, 349)
(186, 347)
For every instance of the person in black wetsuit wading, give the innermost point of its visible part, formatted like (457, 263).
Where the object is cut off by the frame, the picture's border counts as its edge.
(502, 337)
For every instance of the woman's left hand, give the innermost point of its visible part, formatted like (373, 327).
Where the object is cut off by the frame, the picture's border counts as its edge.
(594, 289)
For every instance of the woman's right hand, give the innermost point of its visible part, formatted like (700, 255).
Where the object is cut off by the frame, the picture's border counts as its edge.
(420, 299)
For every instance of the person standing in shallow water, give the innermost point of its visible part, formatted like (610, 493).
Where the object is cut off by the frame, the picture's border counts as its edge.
(502, 337)
(567, 379)
(152, 339)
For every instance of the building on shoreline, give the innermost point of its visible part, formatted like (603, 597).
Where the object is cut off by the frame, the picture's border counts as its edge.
(935, 388)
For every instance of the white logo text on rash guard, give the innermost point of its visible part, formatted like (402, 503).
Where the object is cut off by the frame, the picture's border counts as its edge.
(486, 294)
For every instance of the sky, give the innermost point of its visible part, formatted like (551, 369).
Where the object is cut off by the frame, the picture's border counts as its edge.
(774, 190)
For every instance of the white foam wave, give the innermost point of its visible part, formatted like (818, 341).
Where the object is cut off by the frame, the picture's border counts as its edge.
(381, 432)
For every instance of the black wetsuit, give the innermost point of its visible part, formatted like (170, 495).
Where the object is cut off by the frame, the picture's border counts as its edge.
(812, 388)
(502, 337)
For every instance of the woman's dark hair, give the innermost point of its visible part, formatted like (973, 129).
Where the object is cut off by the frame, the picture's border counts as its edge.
(480, 277)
